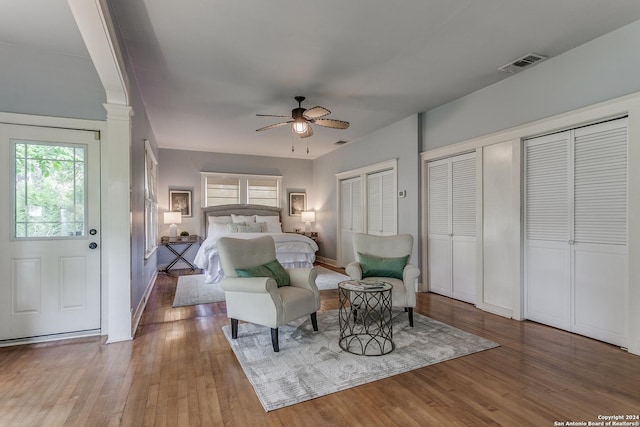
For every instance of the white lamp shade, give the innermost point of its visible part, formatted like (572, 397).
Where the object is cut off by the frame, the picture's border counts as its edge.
(173, 217)
(308, 216)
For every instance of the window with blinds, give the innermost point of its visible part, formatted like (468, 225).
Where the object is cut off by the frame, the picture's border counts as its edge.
(222, 191)
(229, 189)
(263, 192)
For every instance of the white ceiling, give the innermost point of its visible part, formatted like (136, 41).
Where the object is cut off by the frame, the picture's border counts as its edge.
(205, 68)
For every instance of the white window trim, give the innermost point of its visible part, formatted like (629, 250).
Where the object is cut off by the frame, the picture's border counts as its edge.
(243, 179)
(152, 228)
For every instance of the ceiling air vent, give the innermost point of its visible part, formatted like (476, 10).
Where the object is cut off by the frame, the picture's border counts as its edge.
(341, 142)
(522, 63)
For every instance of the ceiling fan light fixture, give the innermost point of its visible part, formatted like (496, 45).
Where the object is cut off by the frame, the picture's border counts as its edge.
(300, 126)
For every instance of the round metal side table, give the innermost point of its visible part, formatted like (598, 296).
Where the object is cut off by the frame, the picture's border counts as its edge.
(365, 317)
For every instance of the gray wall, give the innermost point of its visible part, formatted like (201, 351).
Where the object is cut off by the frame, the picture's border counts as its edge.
(602, 69)
(180, 170)
(399, 140)
(143, 270)
(45, 83)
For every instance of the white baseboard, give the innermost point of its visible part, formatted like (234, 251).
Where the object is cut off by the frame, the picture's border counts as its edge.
(143, 303)
(328, 261)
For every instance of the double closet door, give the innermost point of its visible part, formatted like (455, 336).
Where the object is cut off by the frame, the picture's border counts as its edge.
(576, 230)
(452, 227)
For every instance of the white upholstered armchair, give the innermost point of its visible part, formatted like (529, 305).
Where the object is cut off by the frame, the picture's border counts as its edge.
(386, 258)
(260, 300)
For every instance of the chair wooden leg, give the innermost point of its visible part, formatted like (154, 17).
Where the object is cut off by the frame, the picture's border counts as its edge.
(314, 321)
(234, 328)
(274, 339)
(410, 310)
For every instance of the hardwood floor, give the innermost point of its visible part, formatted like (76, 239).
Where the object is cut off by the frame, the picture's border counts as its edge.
(179, 370)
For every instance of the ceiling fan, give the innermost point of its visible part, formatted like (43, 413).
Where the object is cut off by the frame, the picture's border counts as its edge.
(302, 119)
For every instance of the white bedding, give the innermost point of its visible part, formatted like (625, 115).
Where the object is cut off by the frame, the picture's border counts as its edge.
(292, 251)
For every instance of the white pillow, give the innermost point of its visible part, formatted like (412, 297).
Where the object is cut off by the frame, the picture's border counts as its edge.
(220, 219)
(216, 229)
(243, 218)
(274, 227)
(268, 219)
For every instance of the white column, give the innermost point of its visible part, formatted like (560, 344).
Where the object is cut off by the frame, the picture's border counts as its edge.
(116, 240)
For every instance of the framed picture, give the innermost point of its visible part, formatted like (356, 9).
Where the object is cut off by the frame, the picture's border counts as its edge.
(180, 200)
(297, 203)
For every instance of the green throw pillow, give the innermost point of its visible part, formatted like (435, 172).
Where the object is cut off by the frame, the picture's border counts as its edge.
(374, 266)
(271, 269)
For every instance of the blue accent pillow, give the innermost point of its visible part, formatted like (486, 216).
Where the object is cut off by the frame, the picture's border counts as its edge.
(271, 269)
(374, 266)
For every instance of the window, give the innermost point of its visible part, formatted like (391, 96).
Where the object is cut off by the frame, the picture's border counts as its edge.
(49, 193)
(150, 200)
(228, 189)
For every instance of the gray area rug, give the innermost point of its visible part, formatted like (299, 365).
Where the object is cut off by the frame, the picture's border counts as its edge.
(192, 290)
(311, 364)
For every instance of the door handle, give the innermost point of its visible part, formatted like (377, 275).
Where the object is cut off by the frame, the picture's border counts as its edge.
(93, 245)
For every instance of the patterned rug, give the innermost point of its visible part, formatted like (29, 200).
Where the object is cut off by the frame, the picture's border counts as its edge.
(192, 289)
(311, 364)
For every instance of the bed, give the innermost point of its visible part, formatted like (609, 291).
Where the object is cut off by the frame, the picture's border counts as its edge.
(248, 222)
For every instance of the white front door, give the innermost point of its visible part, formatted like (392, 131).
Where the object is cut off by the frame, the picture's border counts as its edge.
(50, 188)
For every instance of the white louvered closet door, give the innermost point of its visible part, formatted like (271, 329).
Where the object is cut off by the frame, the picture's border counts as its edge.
(576, 230)
(350, 216)
(547, 208)
(381, 204)
(600, 231)
(452, 226)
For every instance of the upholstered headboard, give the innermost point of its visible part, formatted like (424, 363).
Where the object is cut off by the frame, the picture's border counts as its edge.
(226, 210)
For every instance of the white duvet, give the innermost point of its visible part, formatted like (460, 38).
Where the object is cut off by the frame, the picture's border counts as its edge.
(292, 251)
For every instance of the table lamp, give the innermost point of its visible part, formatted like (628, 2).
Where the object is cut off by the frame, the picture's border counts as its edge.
(308, 217)
(173, 218)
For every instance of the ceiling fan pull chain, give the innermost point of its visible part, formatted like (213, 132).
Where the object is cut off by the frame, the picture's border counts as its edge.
(307, 146)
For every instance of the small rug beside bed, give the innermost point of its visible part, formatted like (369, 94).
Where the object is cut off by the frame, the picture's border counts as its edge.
(192, 290)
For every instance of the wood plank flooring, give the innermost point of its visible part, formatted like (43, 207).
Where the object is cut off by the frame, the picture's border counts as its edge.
(180, 371)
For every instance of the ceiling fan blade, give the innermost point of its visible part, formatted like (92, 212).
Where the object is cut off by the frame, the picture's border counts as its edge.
(316, 112)
(273, 115)
(274, 126)
(308, 133)
(331, 123)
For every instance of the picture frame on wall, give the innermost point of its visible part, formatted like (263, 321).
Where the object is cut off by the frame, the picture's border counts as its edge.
(297, 203)
(180, 200)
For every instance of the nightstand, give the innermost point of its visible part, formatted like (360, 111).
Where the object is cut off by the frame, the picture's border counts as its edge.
(173, 243)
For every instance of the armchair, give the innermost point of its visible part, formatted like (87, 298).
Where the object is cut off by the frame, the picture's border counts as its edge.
(259, 299)
(371, 250)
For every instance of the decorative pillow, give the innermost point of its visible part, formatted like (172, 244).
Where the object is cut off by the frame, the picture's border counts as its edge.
(273, 223)
(374, 266)
(250, 228)
(243, 218)
(220, 219)
(271, 269)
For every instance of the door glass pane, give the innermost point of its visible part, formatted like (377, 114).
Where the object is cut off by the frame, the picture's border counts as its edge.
(50, 190)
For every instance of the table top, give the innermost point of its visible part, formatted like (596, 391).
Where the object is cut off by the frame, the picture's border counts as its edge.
(365, 285)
